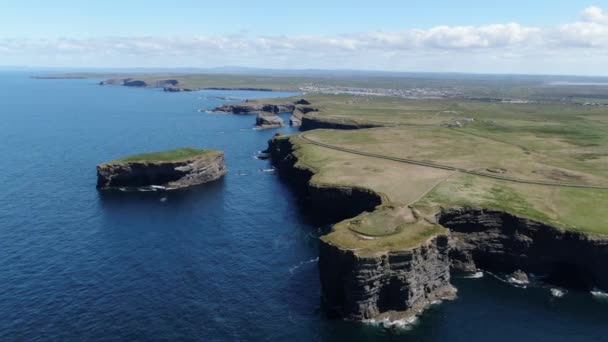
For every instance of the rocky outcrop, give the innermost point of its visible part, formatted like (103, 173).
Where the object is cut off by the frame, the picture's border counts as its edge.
(265, 120)
(135, 83)
(130, 82)
(295, 119)
(393, 284)
(169, 175)
(499, 241)
(396, 284)
(330, 203)
(175, 89)
(310, 122)
(250, 107)
(302, 102)
(298, 113)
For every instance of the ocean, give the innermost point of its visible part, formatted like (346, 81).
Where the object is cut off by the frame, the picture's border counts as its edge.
(231, 260)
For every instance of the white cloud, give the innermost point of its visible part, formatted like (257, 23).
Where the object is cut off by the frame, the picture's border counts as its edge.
(453, 46)
(594, 14)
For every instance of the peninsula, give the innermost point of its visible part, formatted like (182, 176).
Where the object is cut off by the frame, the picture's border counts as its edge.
(168, 170)
(512, 188)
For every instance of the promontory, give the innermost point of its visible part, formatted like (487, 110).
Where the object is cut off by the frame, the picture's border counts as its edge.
(169, 170)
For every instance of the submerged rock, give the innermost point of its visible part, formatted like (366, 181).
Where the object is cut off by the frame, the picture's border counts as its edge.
(147, 171)
(519, 277)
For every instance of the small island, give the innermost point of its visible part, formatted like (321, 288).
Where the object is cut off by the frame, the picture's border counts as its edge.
(166, 170)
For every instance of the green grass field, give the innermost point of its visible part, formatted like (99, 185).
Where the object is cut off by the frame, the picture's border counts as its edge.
(543, 143)
(164, 156)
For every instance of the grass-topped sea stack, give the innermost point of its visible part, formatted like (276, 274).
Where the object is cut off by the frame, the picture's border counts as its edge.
(173, 169)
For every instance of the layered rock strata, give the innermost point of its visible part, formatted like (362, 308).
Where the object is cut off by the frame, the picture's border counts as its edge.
(265, 120)
(356, 286)
(498, 241)
(168, 175)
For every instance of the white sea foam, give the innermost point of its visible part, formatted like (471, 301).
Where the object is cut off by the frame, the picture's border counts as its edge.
(517, 282)
(302, 263)
(268, 170)
(599, 294)
(559, 293)
(475, 275)
(393, 324)
(509, 280)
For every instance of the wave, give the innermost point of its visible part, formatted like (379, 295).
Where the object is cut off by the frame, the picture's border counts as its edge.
(559, 293)
(475, 275)
(386, 323)
(268, 170)
(302, 263)
(509, 280)
(599, 294)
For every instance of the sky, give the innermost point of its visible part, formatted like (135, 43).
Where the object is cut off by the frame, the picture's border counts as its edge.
(531, 37)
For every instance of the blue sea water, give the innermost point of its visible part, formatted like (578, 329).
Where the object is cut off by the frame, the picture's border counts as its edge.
(231, 260)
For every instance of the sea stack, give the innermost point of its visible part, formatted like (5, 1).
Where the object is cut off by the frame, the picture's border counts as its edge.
(265, 120)
(169, 170)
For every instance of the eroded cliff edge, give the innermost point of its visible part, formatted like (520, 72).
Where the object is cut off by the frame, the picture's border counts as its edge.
(396, 283)
(495, 240)
(359, 285)
(206, 166)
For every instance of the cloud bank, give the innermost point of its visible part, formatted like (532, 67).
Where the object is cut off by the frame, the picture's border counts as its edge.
(576, 47)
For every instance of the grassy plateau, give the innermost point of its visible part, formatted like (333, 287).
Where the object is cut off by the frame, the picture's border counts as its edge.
(164, 156)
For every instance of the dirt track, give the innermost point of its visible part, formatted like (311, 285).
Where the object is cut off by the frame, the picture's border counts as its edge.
(451, 168)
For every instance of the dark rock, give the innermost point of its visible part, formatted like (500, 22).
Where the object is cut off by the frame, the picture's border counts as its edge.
(519, 277)
(168, 175)
(265, 120)
(307, 109)
(250, 107)
(135, 83)
(302, 102)
(313, 121)
(498, 241)
(362, 287)
(392, 284)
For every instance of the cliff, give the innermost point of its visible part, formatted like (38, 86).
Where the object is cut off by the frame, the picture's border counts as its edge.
(498, 241)
(130, 82)
(391, 284)
(265, 120)
(252, 107)
(366, 276)
(169, 174)
(359, 286)
(299, 112)
(310, 122)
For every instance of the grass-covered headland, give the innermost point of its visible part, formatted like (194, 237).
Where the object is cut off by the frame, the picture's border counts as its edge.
(164, 156)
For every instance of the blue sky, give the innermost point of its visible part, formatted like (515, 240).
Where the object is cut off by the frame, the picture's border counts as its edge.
(433, 35)
(55, 18)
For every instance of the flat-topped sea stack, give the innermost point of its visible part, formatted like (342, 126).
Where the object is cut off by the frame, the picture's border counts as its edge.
(265, 120)
(169, 170)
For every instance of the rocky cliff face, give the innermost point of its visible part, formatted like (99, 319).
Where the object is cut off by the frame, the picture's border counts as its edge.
(265, 120)
(248, 108)
(355, 287)
(495, 240)
(332, 203)
(130, 82)
(170, 175)
(310, 122)
(298, 113)
(394, 285)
